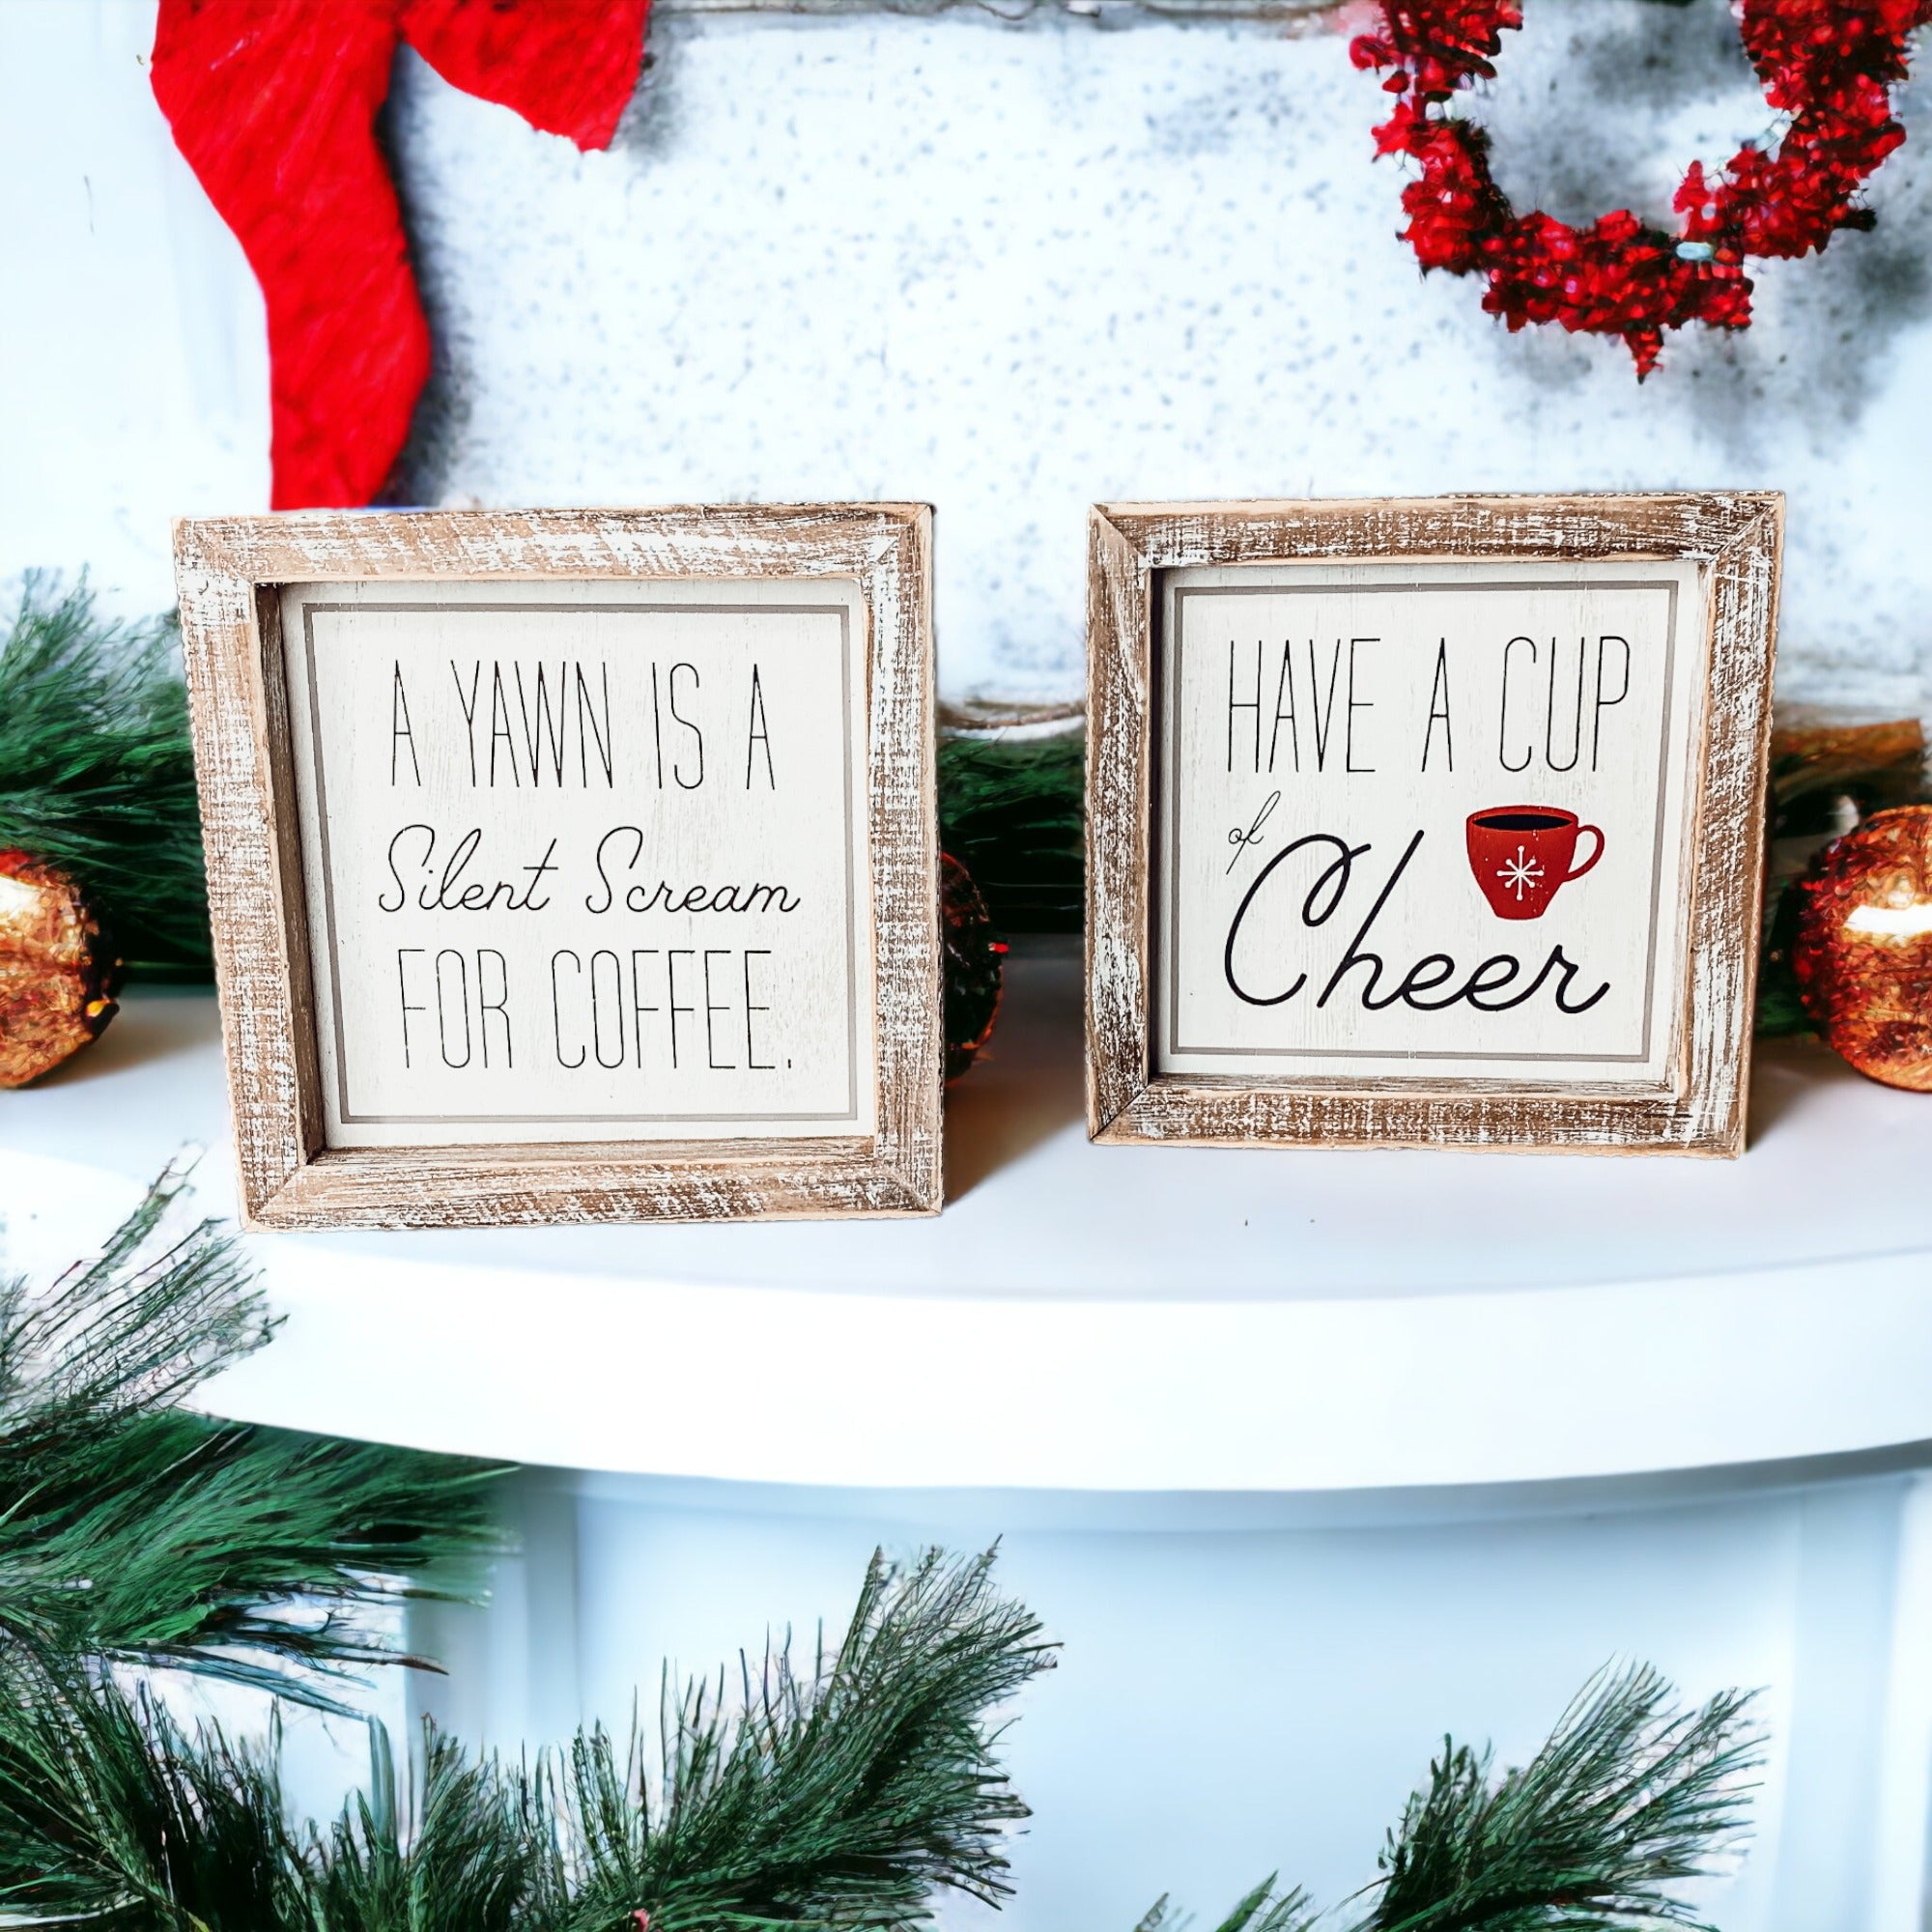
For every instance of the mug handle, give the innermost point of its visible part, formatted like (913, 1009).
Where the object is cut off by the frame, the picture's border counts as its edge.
(1578, 871)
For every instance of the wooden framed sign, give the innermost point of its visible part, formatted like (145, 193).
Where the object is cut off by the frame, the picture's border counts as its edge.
(1428, 822)
(571, 865)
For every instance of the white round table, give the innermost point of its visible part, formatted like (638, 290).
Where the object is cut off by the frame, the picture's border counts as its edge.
(1095, 1319)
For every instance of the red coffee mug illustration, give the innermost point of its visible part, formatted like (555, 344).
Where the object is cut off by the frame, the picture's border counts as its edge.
(1522, 853)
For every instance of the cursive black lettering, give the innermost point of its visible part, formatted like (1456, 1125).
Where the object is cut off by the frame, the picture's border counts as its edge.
(402, 890)
(1419, 978)
(661, 896)
(1428, 985)
(604, 877)
(452, 871)
(451, 891)
(1355, 957)
(1334, 877)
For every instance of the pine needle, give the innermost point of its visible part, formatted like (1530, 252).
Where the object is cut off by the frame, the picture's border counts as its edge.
(131, 1332)
(459, 1854)
(132, 1529)
(840, 1799)
(1628, 1798)
(1265, 1909)
(112, 1813)
(1013, 811)
(96, 770)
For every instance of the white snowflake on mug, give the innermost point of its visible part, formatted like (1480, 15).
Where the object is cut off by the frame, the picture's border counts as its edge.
(1519, 874)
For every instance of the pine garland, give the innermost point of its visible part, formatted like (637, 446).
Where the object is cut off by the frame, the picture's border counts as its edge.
(1629, 1797)
(97, 771)
(829, 1802)
(1013, 811)
(843, 1797)
(134, 1531)
(838, 1799)
(112, 1813)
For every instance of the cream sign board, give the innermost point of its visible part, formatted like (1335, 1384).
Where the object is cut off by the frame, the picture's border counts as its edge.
(1434, 823)
(584, 858)
(573, 865)
(1426, 819)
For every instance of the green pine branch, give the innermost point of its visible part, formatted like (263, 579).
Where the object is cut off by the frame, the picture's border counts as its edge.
(96, 770)
(842, 1799)
(113, 1815)
(1628, 1798)
(132, 1529)
(827, 1802)
(1013, 811)
(459, 1852)
(1265, 1908)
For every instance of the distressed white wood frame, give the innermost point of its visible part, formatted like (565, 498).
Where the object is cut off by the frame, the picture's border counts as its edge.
(230, 570)
(1738, 537)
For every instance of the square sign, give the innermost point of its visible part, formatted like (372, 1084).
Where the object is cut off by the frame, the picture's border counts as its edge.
(1344, 882)
(572, 865)
(1452, 821)
(584, 858)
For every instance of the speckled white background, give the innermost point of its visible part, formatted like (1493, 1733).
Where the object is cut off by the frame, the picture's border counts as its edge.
(1016, 269)
(1010, 269)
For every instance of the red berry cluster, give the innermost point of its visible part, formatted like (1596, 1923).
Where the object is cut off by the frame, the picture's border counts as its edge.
(1828, 64)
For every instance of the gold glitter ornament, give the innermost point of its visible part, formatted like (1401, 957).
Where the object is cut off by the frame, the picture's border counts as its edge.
(1863, 951)
(58, 973)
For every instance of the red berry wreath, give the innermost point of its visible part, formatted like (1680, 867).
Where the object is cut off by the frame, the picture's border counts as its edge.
(1827, 65)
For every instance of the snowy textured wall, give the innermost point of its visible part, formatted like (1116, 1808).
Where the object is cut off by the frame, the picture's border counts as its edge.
(1011, 269)
(1016, 270)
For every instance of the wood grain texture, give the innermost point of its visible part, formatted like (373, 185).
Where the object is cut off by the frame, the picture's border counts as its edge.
(1737, 536)
(228, 570)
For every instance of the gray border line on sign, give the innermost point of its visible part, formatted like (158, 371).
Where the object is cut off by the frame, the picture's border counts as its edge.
(1170, 830)
(842, 610)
